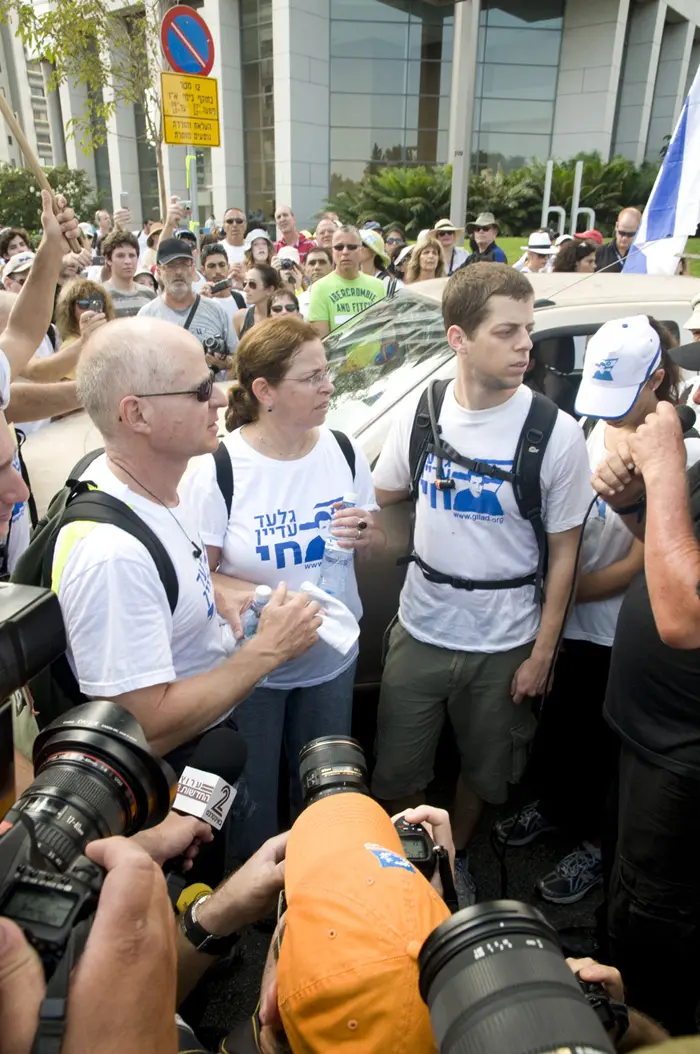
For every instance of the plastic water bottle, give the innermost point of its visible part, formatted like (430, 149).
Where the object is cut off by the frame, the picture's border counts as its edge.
(251, 616)
(336, 563)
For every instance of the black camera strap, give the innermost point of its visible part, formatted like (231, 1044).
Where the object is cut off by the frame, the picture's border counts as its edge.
(193, 312)
(52, 1013)
(449, 893)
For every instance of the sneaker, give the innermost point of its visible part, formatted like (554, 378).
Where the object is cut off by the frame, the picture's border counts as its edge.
(573, 877)
(465, 886)
(523, 827)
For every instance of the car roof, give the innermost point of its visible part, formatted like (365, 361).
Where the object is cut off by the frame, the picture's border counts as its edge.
(598, 288)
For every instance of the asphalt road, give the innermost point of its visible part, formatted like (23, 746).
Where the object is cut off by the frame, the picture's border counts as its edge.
(229, 994)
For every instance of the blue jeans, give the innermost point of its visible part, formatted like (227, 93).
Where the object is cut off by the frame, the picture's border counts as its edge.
(268, 719)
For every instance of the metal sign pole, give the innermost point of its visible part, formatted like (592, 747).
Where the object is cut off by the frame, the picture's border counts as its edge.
(193, 188)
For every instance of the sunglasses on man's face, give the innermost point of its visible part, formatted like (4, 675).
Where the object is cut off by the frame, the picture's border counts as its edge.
(346, 245)
(277, 309)
(234, 219)
(445, 234)
(481, 228)
(626, 234)
(202, 391)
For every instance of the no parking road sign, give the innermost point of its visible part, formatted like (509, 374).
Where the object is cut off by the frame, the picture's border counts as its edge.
(187, 42)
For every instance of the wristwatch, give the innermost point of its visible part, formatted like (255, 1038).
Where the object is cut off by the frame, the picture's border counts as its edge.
(200, 938)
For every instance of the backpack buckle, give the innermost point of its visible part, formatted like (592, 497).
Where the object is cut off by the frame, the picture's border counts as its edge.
(534, 436)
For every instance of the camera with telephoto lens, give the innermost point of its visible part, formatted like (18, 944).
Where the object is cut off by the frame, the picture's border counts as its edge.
(495, 979)
(336, 764)
(95, 777)
(215, 346)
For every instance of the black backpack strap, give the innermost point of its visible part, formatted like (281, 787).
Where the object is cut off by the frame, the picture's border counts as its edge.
(193, 312)
(224, 475)
(588, 426)
(422, 437)
(527, 467)
(97, 507)
(347, 448)
(83, 465)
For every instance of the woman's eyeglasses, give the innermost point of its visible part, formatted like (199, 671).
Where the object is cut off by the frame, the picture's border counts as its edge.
(279, 308)
(250, 283)
(202, 391)
(314, 380)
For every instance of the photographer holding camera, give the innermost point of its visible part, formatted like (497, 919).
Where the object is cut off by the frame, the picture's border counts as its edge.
(178, 303)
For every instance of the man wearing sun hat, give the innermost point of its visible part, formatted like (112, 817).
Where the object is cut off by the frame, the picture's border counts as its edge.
(453, 255)
(538, 250)
(484, 231)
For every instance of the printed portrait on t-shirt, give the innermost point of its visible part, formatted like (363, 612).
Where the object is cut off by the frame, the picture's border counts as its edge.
(474, 495)
(286, 538)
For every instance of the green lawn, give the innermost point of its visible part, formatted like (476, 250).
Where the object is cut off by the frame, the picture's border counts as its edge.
(511, 247)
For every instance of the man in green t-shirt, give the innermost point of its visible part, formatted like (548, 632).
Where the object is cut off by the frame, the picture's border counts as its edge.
(346, 292)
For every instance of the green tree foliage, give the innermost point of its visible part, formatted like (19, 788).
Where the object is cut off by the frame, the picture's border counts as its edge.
(418, 196)
(20, 197)
(113, 56)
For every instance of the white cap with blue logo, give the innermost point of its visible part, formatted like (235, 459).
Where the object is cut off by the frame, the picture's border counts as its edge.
(620, 359)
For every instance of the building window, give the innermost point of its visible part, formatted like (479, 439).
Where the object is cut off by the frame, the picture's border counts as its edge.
(516, 82)
(258, 107)
(391, 70)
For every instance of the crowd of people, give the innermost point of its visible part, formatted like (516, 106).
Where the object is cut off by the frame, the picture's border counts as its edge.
(549, 611)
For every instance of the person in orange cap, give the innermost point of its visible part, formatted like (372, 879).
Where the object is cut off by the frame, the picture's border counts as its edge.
(343, 965)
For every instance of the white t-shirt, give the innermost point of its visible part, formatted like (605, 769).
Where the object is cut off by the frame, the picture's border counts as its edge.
(121, 633)
(279, 519)
(304, 299)
(5, 375)
(606, 540)
(235, 253)
(475, 531)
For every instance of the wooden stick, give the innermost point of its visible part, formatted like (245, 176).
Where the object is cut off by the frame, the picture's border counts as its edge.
(30, 158)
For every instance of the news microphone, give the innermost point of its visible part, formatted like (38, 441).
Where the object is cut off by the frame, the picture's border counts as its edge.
(687, 418)
(206, 787)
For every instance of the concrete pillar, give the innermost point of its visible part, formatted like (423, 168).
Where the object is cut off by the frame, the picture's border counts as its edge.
(9, 152)
(640, 67)
(228, 173)
(19, 83)
(589, 75)
(693, 66)
(123, 156)
(73, 98)
(671, 77)
(459, 152)
(53, 107)
(301, 64)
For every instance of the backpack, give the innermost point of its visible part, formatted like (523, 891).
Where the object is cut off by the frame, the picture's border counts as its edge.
(426, 438)
(224, 466)
(55, 690)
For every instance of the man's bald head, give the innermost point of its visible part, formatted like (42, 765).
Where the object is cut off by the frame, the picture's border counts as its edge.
(629, 219)
(131, 356)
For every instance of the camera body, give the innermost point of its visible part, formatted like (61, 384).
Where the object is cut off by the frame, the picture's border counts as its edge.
(418, 846)
(215, 346)
(96, 303)
(218, 287)
(286, 264)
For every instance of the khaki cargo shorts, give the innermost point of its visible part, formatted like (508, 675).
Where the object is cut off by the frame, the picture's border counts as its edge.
(421, 685)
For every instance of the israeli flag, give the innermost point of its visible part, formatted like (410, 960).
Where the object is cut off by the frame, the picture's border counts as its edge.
(673, 209)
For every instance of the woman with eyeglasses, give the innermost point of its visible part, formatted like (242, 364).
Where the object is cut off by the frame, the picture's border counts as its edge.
(259, 284)
(289, 472)
(426, 262)
(82, 308)
(283, 304)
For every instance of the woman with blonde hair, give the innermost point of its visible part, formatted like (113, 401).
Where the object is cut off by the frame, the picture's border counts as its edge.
(290, 472)
(426, 261)
(81, 309)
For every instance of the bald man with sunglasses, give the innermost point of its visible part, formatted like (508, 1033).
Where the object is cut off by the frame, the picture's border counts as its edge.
(147, 388)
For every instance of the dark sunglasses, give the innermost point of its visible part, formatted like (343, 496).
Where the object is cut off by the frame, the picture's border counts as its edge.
(279, 308)
(84, 304)
(234, 219)
(445, 234)
(346, 245)
(626, 234)
(202, 391)
(482, 228)
(250, 283)
(394, 241)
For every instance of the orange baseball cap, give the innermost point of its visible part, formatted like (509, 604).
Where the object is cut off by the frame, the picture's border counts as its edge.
(357, 916)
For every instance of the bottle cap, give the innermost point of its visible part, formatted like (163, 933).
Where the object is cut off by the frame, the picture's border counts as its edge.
(350, 498)
(262, 594)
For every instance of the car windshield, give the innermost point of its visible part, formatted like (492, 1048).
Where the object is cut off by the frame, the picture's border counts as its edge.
(381, 355)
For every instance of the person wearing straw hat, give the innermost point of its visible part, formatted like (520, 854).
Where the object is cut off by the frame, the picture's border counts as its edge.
(484, 231)
(538, 250)
(374, 259)
(454, 256)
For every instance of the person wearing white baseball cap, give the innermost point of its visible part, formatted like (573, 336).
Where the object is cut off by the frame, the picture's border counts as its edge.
(627, 371)
(693, 323)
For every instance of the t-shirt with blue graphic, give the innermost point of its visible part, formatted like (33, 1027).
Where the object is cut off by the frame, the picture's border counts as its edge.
(279, 520)
(121, 633)
(606, 540)
(475, 531)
